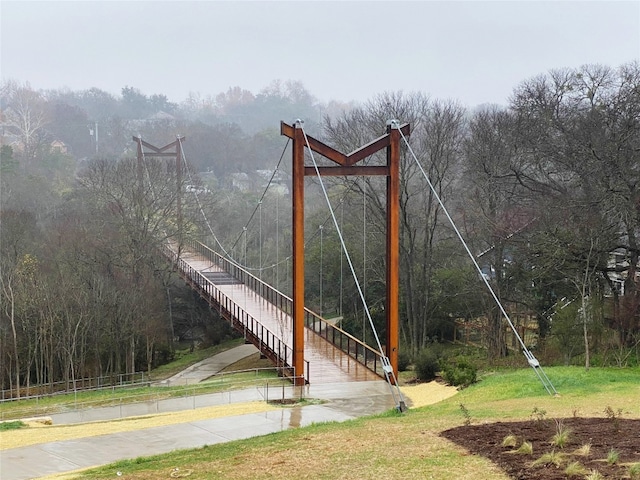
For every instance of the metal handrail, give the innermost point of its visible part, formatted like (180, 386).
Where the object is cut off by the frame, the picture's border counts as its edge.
(344, 341)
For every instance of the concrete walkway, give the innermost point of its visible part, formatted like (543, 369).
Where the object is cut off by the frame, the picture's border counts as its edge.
(344, 401)
(210, 366)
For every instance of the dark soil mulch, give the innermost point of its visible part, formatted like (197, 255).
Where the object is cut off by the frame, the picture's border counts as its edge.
(603, 434)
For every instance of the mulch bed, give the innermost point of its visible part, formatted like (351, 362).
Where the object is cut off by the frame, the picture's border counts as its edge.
(603, 434)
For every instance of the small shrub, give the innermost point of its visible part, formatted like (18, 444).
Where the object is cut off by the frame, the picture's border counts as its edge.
(460, 373)
(575, 469)
(427, 366)
(634, 471)
(594, 475)
(525, 449)
(611, 413)
(404, 360)
(614, 416)
(561, 437)
(612, 457)
(583, 451)
(466, 414)
(13, 425)
(538, 414)
(510, 441)
(163, 354)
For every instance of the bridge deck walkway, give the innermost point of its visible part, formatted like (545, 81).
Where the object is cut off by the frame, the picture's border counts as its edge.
(327, 364)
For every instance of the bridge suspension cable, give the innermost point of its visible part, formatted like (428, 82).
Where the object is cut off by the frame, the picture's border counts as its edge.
(243, 234)
(213, 234)
(387, 368)
(264, 193)
(531, 359)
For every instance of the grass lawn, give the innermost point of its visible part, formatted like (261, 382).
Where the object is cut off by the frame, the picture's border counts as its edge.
(15, 425)
(399, 446)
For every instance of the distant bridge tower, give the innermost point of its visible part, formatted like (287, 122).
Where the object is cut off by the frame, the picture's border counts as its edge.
(153, 151)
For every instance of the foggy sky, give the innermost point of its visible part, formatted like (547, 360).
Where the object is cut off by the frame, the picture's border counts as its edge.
(474, 51)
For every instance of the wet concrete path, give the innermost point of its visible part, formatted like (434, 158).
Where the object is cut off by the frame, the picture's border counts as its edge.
(344, 401)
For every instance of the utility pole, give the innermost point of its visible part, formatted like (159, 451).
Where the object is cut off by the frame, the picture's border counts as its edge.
(93, 132)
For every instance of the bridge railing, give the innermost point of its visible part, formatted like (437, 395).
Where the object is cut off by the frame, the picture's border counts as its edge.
(346, 342)
(267, 342)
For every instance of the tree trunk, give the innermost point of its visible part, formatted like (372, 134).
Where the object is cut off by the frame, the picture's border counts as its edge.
(585, 332)
(497, 347)
(149, 353)
(15, 338)
(132, 354)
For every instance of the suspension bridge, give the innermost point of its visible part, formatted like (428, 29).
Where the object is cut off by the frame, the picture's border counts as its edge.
(302, 344)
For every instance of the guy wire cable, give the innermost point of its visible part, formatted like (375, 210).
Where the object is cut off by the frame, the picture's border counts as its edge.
(531, 359)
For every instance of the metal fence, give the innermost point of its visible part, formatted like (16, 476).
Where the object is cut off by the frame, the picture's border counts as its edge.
(159, 399)
(79, 384)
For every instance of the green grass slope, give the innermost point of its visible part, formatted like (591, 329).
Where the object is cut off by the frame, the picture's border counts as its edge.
(399, 446)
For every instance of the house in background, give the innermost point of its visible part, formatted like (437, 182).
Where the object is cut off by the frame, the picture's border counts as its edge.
(58, 146)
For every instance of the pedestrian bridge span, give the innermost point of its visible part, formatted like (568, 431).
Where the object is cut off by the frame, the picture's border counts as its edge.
(263, 315)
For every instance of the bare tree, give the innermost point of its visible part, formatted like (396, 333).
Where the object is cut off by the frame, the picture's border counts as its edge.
(498, 208)
(136, 220)
(17, 234)
(581, 128)
(26, 115)
(437, 133)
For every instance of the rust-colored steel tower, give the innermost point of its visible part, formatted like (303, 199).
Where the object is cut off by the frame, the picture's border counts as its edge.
(346, 165)
(165, 151)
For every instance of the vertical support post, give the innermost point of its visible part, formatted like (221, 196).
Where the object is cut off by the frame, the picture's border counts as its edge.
(139, 170)
(393, 223)
(298, 252)
(179, 189)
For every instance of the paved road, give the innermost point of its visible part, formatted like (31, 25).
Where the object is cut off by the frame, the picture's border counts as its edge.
(344, 401)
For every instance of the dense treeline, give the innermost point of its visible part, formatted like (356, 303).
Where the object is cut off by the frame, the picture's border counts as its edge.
(544, 190)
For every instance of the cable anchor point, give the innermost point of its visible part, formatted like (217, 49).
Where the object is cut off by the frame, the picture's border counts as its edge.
(393, 123)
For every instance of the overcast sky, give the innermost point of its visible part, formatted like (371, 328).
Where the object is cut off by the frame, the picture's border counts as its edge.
(473, 51)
